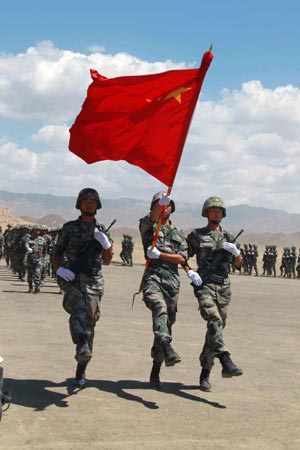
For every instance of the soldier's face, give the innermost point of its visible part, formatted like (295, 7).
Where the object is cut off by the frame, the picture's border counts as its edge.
(215, 215)
(88, 206)
(168, 211)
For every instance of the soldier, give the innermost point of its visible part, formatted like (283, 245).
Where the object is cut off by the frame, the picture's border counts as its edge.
(7, 243)
(265, 260)
(298, 265)
(161, 280)
(272, 260)
(284, 268)
(253, 255)
(214, 293)
(245, 260)
(1, 243)
(127, 250)
(35, 246)
(292, 262)
(81, 246)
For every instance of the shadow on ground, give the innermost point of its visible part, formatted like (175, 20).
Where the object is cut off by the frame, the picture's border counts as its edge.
(39, 394)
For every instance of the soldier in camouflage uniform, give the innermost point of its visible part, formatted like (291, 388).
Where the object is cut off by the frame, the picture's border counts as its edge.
(81, 246)
(298, 265)
(214, 294)
(1, 243)
(7, 243)
(161, 280)
(35, 246)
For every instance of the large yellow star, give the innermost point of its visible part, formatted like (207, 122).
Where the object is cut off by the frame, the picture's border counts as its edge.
(176, 94)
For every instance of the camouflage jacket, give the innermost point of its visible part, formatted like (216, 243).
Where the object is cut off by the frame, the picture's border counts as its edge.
(205, 244)
(170, 240)
(76, 243)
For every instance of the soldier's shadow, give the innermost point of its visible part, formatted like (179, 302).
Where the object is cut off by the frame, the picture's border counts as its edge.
(39, 394)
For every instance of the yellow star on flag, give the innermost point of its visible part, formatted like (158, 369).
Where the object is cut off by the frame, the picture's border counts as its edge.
(176, 94)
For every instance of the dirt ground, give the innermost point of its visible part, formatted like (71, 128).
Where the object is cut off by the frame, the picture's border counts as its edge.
(117, 410)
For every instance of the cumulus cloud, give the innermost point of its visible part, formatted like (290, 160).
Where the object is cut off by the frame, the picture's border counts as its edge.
(244, 146)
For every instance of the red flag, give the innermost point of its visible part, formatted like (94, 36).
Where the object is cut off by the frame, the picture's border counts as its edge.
(143, 119)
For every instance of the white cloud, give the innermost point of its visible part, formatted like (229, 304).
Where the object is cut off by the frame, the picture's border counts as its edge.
(49, 84)
(245, 146)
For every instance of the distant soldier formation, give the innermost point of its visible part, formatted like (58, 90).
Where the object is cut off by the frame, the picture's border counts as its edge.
(289, 265)
(27, 250)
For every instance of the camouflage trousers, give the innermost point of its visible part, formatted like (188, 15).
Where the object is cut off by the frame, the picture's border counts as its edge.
(82, 301)
(213, 302)
(34, 272)
(160, 295)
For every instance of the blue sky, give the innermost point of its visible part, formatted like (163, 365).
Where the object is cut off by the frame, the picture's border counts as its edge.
(252, 39)
(255, 41)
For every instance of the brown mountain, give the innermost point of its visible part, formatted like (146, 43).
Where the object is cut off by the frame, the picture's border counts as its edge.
(9, 217)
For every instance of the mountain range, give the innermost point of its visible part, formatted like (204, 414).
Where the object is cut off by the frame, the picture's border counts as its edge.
(54, 210)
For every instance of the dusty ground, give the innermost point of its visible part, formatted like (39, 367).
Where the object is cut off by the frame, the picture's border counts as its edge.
(259, 410)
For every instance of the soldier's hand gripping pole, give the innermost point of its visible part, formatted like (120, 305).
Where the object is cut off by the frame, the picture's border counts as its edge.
(148, 261)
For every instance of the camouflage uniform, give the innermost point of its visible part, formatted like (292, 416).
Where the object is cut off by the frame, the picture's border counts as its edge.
(35, 262)
(82, 253)
(215, 293)
(161, 282)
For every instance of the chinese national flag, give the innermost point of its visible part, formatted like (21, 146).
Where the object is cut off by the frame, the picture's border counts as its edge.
(143, 120)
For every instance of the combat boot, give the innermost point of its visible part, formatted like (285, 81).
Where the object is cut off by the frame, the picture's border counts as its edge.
(36, 289)
(229, 368)
(154, 376)
(30, 289)
(83, 352)
(204, 380)
(171, 357)
(80, 379)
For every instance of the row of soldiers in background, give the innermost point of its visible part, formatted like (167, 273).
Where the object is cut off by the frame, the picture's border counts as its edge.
(27, 249)
(290, 263)
(127, 250)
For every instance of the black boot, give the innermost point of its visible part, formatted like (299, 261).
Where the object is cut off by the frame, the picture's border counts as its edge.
(229, 368)
(80, 380)
(154, 376)
(171, 357)
(83, 352)
(204, 380)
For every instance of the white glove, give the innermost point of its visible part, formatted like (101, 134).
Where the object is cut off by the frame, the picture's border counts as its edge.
(103, 239)
(194, 277)
(231, 248)
(1, 359)
(164, 200)
(66, 274)
(29, 250)
(153, 253)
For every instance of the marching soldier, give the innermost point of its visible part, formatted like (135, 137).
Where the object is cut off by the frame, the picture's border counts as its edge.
(81, 247)
(214, 292)
(161, 280)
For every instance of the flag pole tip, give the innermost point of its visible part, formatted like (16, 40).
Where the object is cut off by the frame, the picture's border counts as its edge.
(210, 48)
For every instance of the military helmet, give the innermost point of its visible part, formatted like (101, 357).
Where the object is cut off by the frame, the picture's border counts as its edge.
(88, 193)
(213, 202)
(156, 198)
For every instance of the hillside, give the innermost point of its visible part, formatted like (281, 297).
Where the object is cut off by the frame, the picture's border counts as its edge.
(9, 217)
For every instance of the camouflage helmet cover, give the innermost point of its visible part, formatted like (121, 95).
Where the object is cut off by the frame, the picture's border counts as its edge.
(213, 202)
(157, 196)
(88, 193)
